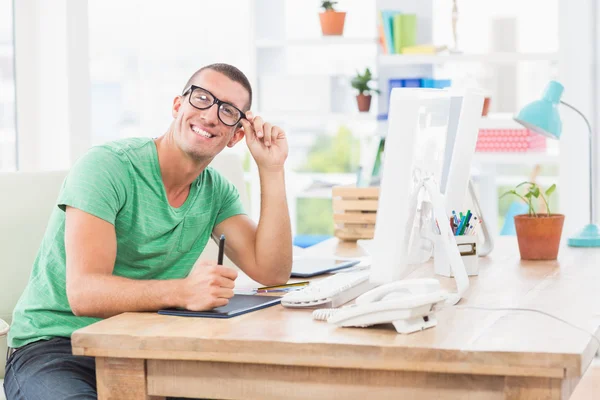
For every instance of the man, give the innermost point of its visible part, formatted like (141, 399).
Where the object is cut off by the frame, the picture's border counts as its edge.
(132, 218)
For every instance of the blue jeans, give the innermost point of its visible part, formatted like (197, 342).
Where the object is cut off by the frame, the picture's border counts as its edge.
(47, 370)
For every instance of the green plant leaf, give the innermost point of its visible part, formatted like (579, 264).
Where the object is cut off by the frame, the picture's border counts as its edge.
(535, 191)
(360, 82)
(509, 192)
(328, 5)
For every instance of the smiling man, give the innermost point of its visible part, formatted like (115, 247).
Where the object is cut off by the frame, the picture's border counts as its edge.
(133, 217)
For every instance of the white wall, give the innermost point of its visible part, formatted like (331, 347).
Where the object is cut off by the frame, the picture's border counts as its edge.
(578, 73)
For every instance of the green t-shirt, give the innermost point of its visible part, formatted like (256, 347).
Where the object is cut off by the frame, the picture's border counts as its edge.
(121, 183)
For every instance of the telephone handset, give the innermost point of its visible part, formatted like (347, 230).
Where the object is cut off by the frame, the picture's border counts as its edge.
(411, 286)
(409, 305)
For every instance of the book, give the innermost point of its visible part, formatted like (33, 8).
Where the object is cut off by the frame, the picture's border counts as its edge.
(405, 31)
(397, 33)
(423, 49)
(380, 30)
(388, 23)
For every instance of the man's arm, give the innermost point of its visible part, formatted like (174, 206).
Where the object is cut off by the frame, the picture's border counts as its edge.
(263, 252)
(93, 291)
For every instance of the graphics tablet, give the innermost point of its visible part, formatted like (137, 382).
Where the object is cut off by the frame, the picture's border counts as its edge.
(238, 305)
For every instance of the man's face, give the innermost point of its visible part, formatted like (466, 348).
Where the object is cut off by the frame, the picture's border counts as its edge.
(200, 133)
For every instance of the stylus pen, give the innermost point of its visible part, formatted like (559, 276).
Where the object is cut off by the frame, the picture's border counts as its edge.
(221, 249)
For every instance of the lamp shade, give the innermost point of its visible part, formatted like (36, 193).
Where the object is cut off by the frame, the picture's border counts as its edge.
(541, 116)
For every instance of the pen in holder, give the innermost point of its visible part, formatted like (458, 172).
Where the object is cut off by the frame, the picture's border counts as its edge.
(467, 247)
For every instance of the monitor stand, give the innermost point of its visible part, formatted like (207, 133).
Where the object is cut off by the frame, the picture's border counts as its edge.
(447, 240)
(488, 243)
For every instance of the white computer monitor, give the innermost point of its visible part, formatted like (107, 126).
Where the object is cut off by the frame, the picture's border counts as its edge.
(431, 133)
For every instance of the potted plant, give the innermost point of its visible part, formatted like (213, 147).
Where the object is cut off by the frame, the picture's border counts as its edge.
(538, 233)
(361, 83)
(332, 21)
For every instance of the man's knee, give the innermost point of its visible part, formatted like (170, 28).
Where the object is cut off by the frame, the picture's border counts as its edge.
(49, 371)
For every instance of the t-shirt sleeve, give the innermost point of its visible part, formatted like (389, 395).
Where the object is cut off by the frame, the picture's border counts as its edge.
(97, 184)
(231, 203)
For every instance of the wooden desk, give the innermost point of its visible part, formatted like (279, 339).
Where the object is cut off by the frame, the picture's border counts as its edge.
(278, 353)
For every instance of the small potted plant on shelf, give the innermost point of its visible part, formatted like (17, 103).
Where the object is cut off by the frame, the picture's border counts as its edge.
(332, 21)
(538, 233)
(361, 83)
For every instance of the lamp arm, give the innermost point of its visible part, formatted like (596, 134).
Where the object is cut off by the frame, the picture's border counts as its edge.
(591, 169)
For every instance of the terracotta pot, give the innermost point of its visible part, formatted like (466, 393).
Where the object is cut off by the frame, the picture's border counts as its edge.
(332, 22)
(364, 102)
(539, 237)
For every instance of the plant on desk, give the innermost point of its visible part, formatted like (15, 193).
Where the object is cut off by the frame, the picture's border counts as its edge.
(361, 83)
(538, 233)
(332, 21)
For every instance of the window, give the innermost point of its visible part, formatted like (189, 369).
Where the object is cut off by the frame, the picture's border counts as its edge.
(140, 60)
(8, 137)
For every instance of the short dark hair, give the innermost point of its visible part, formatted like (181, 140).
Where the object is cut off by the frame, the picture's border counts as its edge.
(229, 71)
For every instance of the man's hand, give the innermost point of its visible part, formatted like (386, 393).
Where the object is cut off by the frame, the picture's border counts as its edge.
(267, 143)
(208, 286)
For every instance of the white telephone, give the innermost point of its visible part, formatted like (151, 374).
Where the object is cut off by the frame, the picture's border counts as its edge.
(409, 305)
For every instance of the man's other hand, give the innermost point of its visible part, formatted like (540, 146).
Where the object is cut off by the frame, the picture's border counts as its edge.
(208, 286)
(267, 143)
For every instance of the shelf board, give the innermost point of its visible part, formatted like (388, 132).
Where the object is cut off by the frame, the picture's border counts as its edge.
(490, 58)
(525, 158)
(499, 121)
(322, 41)
(314, 118)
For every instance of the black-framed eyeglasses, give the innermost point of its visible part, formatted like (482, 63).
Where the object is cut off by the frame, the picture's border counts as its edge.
(202, 99)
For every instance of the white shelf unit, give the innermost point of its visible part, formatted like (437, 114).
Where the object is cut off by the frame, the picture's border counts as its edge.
(271, 58)
(322, 99)
(443, 58)
(361, 124)
(406, 66)
(530, 158)
(323, 41)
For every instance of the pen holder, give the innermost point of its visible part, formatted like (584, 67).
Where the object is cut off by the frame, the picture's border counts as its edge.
(467, 247)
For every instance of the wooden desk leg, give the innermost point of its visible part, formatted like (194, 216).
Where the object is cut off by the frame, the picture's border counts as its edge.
(122, 379)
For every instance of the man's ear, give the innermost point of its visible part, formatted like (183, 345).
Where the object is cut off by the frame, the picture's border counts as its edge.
(237, 136)
(176, 106)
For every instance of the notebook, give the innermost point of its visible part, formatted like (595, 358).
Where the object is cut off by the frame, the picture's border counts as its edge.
(238, 305)
(307, 267)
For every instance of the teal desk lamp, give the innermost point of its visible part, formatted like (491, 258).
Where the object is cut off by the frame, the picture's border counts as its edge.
(541, 116)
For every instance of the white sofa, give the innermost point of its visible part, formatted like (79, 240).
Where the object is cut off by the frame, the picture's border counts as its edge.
(26, 201)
